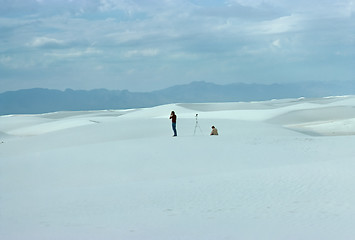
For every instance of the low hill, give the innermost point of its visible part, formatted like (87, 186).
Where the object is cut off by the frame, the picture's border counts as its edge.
(40, 100)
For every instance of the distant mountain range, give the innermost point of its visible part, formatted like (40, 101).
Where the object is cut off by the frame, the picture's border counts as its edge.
(40, 100)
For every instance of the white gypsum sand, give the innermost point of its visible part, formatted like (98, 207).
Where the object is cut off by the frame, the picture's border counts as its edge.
(280, 169)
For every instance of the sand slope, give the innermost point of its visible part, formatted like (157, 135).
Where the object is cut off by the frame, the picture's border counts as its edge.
(280, 169)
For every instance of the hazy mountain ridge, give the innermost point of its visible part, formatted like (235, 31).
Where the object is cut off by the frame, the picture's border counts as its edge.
(40, 100)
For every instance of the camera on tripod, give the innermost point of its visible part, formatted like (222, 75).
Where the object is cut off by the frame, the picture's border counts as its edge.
(197, 125)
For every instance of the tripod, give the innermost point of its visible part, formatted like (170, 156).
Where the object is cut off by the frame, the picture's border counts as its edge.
(197, 125)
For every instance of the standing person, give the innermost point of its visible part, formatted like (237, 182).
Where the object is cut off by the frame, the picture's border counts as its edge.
(173, 122)
(214, 131)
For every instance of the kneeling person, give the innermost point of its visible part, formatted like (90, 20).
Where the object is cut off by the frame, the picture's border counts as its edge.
(214, 131)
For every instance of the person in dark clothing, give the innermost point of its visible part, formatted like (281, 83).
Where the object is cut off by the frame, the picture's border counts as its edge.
(173, 122)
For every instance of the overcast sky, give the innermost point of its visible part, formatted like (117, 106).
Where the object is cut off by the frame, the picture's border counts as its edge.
(144, 45)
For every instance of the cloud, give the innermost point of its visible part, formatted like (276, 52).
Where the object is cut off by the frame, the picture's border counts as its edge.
(16, 63)
(74, 53)
(276, 43)
(221, 40)
(142, 53)
(128, 7)
(45, 42)
(236, 10)
(285, 24)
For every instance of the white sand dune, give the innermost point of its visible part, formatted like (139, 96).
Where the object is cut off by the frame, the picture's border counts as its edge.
(280, 169)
